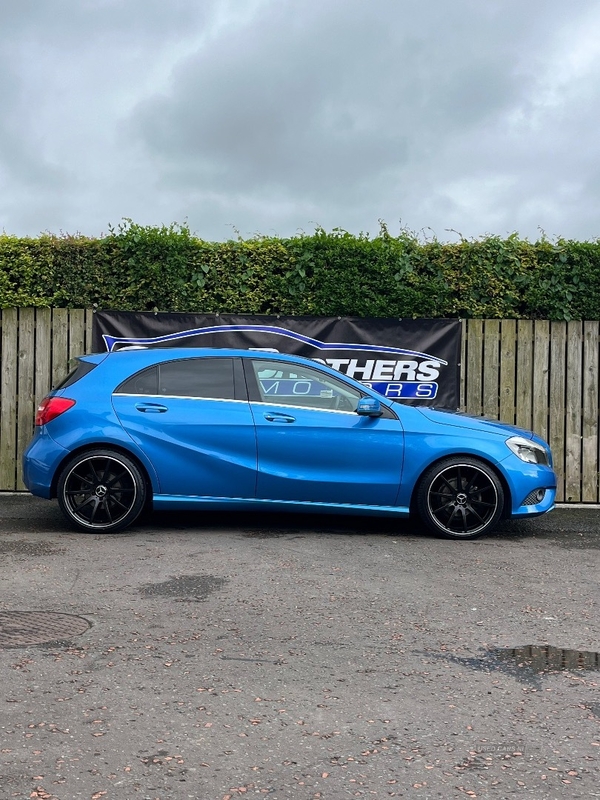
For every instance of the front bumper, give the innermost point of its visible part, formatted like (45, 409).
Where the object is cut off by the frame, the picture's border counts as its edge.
(523, 479)
(547, 504)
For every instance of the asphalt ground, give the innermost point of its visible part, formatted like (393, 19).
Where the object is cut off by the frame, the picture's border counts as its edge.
(228, 656)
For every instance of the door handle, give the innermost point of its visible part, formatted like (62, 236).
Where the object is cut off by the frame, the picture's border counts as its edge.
(151, 408)
(279, 418)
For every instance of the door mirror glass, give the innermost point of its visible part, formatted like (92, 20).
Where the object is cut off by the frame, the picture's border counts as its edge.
(369, 407)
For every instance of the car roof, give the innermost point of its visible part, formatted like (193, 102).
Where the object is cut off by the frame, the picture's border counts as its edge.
(140, 357)
(165, 353)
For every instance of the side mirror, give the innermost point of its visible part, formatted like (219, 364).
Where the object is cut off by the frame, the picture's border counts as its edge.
(369, 407)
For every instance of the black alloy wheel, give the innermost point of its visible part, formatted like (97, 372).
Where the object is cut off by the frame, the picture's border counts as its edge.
(460, 498)
(101, 491)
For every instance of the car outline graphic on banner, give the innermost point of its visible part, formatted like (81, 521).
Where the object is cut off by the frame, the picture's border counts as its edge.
(414, 378)
(111, 341)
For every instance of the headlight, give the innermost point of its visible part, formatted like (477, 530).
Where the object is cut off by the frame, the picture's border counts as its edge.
(528, 451)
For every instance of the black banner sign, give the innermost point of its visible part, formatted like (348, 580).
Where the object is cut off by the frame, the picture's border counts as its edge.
(412, 360)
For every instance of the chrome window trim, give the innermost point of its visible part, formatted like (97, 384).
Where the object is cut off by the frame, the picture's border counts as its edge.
(302, 408)
(179, 397)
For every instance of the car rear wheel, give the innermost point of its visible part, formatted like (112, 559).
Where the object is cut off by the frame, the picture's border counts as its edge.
(101, 491)
(460, 498)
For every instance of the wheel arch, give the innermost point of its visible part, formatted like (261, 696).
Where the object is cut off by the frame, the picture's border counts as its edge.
(494, 467)
(103, 446)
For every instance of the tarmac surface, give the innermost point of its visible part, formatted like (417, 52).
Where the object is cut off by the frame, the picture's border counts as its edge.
(230, 656)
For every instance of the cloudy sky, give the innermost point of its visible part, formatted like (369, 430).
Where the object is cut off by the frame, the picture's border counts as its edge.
(273, 116)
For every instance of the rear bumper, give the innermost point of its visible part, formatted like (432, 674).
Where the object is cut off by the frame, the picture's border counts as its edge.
(40, 462)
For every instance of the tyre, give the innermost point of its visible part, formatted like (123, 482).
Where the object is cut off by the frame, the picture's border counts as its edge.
(101, 491)
(460, 498)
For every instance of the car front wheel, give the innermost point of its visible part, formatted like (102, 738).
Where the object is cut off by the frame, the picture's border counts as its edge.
(460, 498)
(101, 491)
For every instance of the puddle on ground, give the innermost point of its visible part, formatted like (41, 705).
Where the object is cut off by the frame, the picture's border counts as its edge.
(189, 588)
(528, 664)
(545, 658)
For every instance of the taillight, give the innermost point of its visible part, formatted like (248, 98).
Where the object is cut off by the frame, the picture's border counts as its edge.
(52, 407)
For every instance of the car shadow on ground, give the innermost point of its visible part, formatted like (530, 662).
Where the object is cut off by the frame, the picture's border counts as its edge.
(277, 524)
(566, 527)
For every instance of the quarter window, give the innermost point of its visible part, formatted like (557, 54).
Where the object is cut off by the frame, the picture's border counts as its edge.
(79, 369)
(145, 382)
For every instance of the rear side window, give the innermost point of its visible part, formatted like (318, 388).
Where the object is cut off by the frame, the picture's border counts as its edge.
(211, 378)
(76, 373)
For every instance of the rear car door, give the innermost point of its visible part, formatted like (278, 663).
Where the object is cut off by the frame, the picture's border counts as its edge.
(192, 418)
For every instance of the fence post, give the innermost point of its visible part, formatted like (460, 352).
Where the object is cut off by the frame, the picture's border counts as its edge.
(8, 399)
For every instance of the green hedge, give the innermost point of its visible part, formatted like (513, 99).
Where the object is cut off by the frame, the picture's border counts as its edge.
(326, 273)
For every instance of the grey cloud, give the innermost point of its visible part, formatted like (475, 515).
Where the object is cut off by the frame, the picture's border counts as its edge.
(67, 71)
(275, 114)
(20, 156)
(318, 102)
(79, 23)
(272, 104)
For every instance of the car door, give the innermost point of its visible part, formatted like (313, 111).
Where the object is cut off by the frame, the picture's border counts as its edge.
(312, 446)
(192, 419)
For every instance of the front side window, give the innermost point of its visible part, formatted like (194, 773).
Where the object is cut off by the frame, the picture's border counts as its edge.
(297, 385)
(210, 378)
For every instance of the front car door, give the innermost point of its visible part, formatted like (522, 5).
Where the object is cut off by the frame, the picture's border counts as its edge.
(312, 446)
(192, 419)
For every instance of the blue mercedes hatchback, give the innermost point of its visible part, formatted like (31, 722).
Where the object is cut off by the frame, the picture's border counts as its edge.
(236, 429)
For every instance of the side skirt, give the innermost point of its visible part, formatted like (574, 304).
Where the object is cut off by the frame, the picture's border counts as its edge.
(165, 502)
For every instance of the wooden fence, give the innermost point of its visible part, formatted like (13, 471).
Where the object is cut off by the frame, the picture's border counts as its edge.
(542, 376)
(536, 374)
(36, 346)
